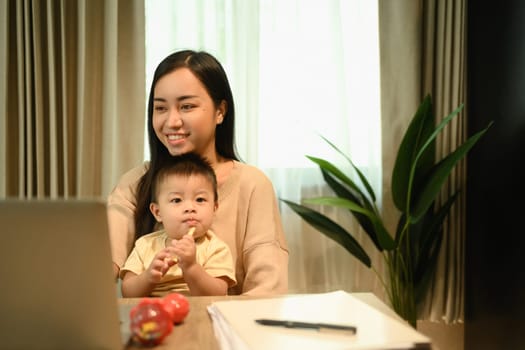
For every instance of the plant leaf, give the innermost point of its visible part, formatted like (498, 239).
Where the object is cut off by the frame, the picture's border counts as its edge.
(419, 130)
(341, 203)
(428, 247)
(384, 238)
(344, 192)
(400, 226)
(359, 173)
(332, 230)
(415, 177)
(439, 174)
(332, 169)
(339, 189)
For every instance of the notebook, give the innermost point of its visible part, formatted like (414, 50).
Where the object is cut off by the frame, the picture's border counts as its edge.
(235, 327)
(57, 286)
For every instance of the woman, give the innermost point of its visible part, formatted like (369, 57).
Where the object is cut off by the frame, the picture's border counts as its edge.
(190, 109)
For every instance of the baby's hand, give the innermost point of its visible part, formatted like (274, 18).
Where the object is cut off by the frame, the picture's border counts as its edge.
(185, 250)
(160, 265)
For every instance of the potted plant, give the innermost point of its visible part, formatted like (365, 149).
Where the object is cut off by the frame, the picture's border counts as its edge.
(410, 253)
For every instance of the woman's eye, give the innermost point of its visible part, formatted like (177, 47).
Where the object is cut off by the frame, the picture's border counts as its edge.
(186, 107)
(159, 108)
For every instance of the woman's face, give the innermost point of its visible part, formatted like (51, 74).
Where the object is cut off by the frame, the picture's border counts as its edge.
(184, 115)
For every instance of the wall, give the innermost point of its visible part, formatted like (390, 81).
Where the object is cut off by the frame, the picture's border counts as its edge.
(495, 266)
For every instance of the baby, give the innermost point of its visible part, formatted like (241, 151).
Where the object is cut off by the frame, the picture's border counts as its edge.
(185, 256)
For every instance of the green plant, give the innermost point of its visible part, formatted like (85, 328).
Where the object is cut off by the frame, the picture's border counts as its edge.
(411, 253)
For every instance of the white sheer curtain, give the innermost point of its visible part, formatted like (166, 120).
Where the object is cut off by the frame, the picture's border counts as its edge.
(297, 69)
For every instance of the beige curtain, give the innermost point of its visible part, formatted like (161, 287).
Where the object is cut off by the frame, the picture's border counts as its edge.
(71, 95)
(423, 49)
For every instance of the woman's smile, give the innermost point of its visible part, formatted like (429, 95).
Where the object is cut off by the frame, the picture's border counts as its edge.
(177, 139)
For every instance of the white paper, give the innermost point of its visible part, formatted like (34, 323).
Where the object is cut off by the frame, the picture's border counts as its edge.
(235, 327)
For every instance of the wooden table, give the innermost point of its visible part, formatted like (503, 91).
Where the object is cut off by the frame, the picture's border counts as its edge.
(196, 332)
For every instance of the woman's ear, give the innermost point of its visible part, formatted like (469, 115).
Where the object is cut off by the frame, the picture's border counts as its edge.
(221, 112)
(154, 208)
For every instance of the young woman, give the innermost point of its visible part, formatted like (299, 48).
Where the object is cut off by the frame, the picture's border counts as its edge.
(190, 109)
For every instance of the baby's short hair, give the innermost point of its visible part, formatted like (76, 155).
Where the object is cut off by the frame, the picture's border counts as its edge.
(185, 165)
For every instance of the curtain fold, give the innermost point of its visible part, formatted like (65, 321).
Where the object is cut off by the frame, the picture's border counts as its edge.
(4, 69)
(74, 95)
(444, 77)
(423, 47)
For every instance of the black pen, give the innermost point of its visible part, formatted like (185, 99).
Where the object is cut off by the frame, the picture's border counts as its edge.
(309, 325)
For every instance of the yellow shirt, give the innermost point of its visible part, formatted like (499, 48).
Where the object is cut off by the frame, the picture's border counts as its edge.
(211, 253)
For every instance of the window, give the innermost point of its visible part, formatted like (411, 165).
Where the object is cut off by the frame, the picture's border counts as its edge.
(298, 68)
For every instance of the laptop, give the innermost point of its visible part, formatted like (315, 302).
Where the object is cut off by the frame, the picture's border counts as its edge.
(57, 286)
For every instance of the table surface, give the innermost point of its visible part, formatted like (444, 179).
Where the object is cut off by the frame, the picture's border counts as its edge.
(196, 332)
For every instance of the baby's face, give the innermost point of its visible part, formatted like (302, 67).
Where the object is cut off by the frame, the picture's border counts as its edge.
(183, 203)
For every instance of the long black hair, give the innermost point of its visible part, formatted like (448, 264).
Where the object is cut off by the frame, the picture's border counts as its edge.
(208, 70)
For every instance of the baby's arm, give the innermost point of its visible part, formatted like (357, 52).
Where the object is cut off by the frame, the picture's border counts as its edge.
(201, 283)
(198, 280)
(134, 286)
